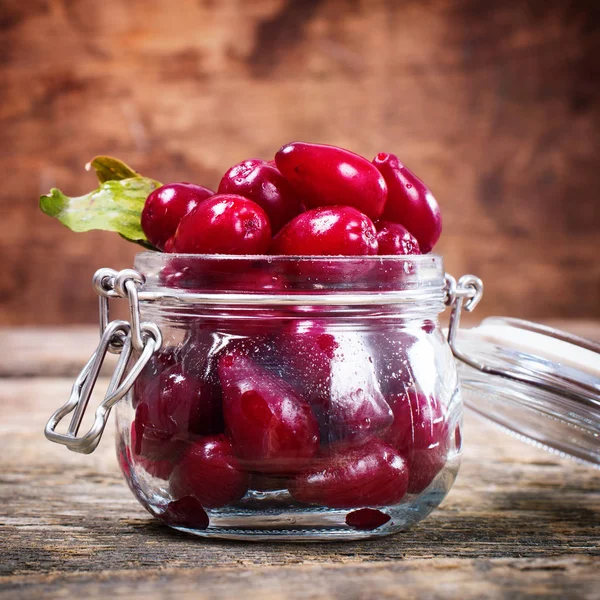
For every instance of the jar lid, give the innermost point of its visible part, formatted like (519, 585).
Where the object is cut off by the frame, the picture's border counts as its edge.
(538, 383)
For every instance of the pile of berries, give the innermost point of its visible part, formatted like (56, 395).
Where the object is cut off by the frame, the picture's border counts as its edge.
(331, 415)
(305, 408)
(313, 199)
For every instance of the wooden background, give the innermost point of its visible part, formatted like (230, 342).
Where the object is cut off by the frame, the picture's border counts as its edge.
(495, 104)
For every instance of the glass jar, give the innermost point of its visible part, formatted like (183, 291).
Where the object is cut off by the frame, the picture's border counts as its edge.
(297, 398)
(303, 398)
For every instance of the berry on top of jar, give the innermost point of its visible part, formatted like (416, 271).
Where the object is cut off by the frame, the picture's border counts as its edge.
(311, 200)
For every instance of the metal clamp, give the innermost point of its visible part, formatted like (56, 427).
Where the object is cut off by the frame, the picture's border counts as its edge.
(118, 337)
(470, 289)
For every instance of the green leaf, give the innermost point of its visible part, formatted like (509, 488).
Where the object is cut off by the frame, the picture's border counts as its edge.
(110, 169)
(115, 206)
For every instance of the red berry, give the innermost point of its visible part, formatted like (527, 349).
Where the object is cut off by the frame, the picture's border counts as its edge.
(157, 468)
(210, 472)
(166, 206)
(179, 403)
(185, 512)
(420, 433)
(272, 428)
(146, 383)
(395, 239)
(224, 224)
(366, 518)
(330, 176)
(374, 474)
(335, 372)
(262, 183)
(410, 202)
(339, 230)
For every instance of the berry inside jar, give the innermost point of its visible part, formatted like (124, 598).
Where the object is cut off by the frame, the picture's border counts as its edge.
(300, 413)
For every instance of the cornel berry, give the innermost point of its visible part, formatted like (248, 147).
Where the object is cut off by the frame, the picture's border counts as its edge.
(409, 202)
(262, 182)
(420, 433)
(271, 426)
(329, 176)
(393, 238)
(336, 230)
(224, 224)
(374, 474)
(166, 206)
(210, 472)
(174, 405)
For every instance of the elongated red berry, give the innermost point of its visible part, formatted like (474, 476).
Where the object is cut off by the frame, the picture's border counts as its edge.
(209, 471)
(166, 206)
(185, 512)
(272, 428)
(330, 231)
(160, 468)
(374, 474)
(420, 433)
(367, 519)
(409, 202)
(262, 183)
(224, 224)
(176, 404)
(330, 176)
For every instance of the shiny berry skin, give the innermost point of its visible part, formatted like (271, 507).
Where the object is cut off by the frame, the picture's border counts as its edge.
(224, 224)
(160, 469)
(335, 372)
(209, 471)
(366, 519)
(374, 474)
(166, 206)
(262, 183)
(146, 383)
(395, 239)
(409, 202)
(329, 231)
(420, 433)
(177, 404)
(271, 426)
(185, 512)
(329, 176)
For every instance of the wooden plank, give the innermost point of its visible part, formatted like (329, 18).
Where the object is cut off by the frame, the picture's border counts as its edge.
(47, 351)
(63, 512)
(572, 576)
(496, 109)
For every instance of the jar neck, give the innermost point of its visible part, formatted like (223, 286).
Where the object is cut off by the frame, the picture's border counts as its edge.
(306, 278)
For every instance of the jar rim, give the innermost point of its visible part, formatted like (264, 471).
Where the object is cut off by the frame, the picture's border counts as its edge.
(396, 258)
(277, 279)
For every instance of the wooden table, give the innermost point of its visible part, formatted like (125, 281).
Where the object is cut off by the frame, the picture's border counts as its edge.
(519, 523)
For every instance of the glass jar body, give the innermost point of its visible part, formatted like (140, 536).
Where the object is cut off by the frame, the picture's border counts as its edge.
(290, 418)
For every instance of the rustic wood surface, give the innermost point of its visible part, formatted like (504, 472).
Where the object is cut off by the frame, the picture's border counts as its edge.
(494, 104)
(519, 522)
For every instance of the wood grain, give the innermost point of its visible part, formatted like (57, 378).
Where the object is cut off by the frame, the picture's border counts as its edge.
(574, 577)
(495, 105)
(519, 523)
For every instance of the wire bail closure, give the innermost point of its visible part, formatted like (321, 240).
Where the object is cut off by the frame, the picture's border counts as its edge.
(118, 337)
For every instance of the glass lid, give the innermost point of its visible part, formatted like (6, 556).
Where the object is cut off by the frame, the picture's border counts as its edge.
(538, 383)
